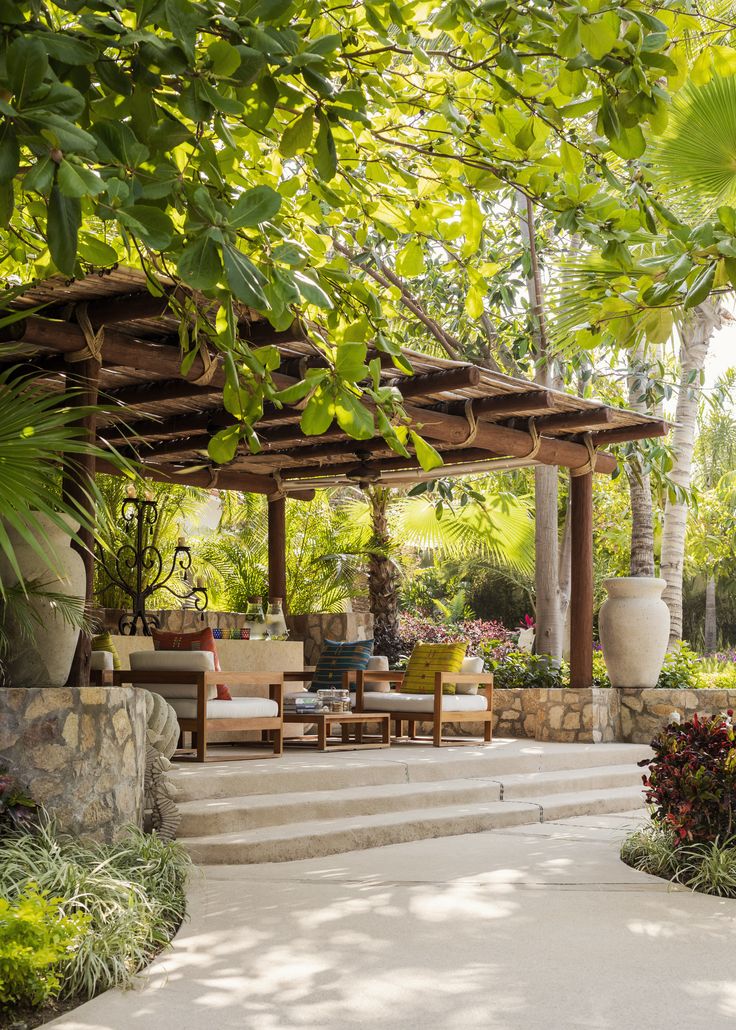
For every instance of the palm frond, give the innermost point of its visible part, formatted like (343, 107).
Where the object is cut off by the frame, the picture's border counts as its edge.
(696, 157)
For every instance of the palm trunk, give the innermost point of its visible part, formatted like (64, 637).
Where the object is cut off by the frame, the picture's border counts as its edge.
(383, 579)
(696, 335)
(640, 489)
(710, 641)
(549, 634)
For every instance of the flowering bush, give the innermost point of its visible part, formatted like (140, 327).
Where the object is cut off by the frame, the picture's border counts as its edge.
(692, 778)
(487, 638)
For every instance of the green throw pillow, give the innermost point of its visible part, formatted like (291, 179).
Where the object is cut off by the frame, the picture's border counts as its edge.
(338, 657)
(103, 642)
(426, 660)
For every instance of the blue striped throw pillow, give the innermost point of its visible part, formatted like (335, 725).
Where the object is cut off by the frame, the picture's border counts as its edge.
(338, 657)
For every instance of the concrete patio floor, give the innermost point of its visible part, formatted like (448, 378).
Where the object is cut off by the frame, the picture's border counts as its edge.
(536, 927)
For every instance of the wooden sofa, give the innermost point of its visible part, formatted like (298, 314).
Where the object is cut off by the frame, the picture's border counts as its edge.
(437, 708)
(188, 681)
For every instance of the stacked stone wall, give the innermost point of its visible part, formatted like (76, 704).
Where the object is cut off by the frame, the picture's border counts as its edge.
(79, 752)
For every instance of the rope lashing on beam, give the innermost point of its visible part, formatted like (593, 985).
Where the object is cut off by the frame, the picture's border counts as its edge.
(209, 365)
(214, 477)
(92, 349)
(473, 432)
(588, 466)
(279, 492)
(472, 423)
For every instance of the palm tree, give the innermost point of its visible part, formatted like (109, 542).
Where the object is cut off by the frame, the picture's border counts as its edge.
(494, 526)
(324, 554)
(37, 428)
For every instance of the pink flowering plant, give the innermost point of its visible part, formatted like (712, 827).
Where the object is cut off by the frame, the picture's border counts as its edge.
(485, 637)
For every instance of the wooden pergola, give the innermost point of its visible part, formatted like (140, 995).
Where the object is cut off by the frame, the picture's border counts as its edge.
(110, 335)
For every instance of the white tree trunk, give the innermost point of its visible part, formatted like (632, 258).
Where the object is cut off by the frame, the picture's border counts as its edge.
(696, 334)
(710, 641)
(548, 616)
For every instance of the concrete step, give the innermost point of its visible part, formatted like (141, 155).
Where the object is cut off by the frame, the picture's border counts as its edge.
(312, 772)
(531, 785)
(318, 837)
(590, 802)
(225, 815)
(332, 836)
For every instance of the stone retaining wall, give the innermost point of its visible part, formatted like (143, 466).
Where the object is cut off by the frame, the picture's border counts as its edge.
(79, 752)
(643, 712)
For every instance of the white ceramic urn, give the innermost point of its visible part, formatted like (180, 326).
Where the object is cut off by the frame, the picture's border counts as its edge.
(634, 626)
(45, 660)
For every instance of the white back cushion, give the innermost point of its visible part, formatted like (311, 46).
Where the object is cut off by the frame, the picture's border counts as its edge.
(174, 661)
(469, 666)
(101, 661)
(378, 663)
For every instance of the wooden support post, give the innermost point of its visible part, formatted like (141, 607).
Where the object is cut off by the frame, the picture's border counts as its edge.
(78, 477)
(277, 548)
(581, 581)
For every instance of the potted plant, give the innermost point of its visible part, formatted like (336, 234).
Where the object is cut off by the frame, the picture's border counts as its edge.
(42, 580)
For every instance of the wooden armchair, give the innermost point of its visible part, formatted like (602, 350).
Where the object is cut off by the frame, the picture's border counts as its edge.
(189, 682)
(438, 708)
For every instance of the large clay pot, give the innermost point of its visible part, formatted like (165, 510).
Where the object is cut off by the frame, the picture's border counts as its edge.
(634, 625)
(46, 660)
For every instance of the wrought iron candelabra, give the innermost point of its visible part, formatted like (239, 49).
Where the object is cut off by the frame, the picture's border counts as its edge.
(142, 558)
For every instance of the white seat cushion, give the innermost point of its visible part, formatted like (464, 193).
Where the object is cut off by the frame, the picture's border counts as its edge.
(238, 708)
(174, 661)
(395, 701)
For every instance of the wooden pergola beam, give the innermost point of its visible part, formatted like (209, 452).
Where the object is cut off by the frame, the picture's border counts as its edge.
(626, 434)
(501, 439)
(505, 404)
(167, 390)
(215, 479)
(129, 307)
(576, 419)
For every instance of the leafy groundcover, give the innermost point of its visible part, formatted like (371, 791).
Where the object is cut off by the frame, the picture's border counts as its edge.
(79, 917)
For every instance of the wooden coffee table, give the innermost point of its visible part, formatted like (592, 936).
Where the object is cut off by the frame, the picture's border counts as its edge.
(355, 721)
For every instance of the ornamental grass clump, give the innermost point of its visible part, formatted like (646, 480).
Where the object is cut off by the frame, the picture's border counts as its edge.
(131, 895)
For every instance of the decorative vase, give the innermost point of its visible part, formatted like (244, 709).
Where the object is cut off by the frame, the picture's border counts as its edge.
(634, 626)
(44, 660)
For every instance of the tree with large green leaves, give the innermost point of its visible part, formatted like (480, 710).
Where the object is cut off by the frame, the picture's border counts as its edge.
(229, 144)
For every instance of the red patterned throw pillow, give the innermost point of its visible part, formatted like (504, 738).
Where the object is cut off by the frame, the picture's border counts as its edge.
(201, 640)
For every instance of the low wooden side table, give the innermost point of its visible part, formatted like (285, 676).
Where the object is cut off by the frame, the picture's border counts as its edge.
(355, 721)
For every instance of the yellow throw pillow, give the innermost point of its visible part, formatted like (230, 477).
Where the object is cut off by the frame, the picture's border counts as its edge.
(104, 642)
(426, 660)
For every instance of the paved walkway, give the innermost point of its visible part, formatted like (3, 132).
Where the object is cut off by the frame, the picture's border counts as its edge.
(534, 928)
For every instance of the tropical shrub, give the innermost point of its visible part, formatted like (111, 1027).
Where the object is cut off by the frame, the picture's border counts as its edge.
(130, 894)
(600, 671)
(681, 669)
(521, 669)
(37, 941)
(691, 782)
